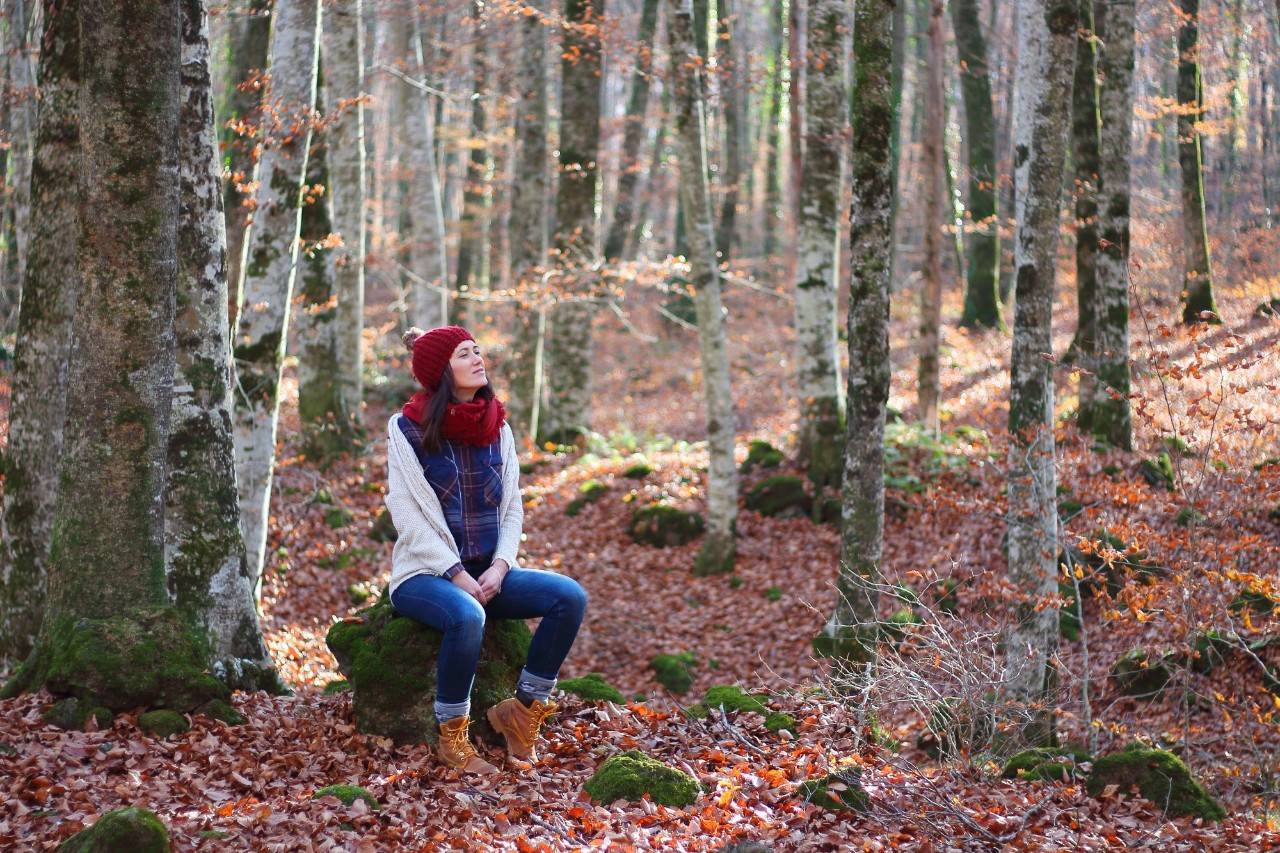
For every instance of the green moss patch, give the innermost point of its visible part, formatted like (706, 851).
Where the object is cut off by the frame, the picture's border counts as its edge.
(899, 624)
(390, 662)
(588, 493)
(1069, 623)
(383, 528)
(592, 687)
(673, 671)
(348, 794)
(956, 728)
(1137, 673)
(632, 774)
(338, 517)
(1161, 777)
(1109, 562)
(163, 723)
(841, 791)
(220, 710)
(761, 454)
(1046, 764)
(1158, 471)
(340, 685)
(728, 697)
(638, 470)
(1188, 516)
(72, 714)
(134, 830)
(662, 525)
(779, 495)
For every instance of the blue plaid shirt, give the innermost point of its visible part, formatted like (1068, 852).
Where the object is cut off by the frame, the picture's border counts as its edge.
(468, 482)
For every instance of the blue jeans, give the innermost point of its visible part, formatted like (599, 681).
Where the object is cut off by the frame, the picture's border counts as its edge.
(526, 594)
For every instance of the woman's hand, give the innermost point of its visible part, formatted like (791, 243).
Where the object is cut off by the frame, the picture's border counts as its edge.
(468, 584)
(491, 580)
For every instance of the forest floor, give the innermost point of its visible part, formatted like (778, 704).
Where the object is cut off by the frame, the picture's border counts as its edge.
(250, 786)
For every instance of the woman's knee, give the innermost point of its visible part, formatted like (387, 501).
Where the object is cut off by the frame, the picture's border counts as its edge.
(574, 598)
(468, 621)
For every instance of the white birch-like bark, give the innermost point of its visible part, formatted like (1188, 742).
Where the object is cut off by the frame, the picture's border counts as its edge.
(205, 565)
(817, 355)
(928, 390)
(1043, 105)
(271, 264)
(718, 547)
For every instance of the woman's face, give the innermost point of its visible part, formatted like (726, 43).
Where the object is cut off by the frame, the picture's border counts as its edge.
(467, 365)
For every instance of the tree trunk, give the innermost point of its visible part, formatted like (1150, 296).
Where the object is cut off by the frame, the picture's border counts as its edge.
(772, 138)
(428, 256)
(1103, 413)
(470, 228)
(37, 406)
(205, 563)
(1198, 274)
(982, 307)
(717, 552)
(850, 634)
(248, 58)
(934, 177)
(732, 109)
(1085, 130)
(817, 358)
(344, 81)
(1048, 33)
(529, 223)
(634, 135)
(569, 351)
(22, 126)
(271, 264)
(107, 597)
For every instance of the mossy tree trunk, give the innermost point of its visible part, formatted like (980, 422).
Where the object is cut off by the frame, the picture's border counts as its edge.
(108, 603)
(817, 358)
(1104, 395)
(718, 546)
(1048, 39)
(1085, 133)
(568, 354)
(474, 188)
(1197, 270)
(934, 169)
(39, 382)
(982, 306)
(344, 82)
(634, 135)
(205, 565)
(528, 244)
(22, 128)
(850, 633)
(732, 114)
(772, 136)
(271, 263)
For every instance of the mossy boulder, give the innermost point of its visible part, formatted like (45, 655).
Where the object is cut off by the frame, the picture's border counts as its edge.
(1160, 776)
(1268, 308)
(662, 525)
(1138, 673)
(782, 495)
(674, 671)
(130, 830)
(162, 723)
(1069, 618)
(899, 624)
(1188, 516)
(840, 791)
(220, 710)
(340, 685)
(956, 728)
(338, 517)
(1158, 471)
(383, 528)
(637, 470)
(73, 714)
(1107, 560)
(1046, 764)
(632, 774)
(761, 454)
(390, 662)
(829, 510)
(1208, 650)
(728, 697)
(1257, 603)
(592, 687)
(348, 794)
(588, 493)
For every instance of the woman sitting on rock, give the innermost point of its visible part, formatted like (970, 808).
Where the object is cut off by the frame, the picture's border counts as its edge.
(453, 490)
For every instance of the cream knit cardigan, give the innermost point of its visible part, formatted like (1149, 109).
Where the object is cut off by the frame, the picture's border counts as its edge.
(424, 545)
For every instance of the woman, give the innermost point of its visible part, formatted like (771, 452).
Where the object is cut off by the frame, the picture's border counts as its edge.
(453, 491)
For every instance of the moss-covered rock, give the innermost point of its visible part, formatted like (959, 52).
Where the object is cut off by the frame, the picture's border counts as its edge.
(637, 470)
(1268, 308)
(1107, 560)
(956, 728)
(588, 493)
(761, 454)
(130, 830)
(632, 774)
(1188, 516)
(383, 528)
(674, 671)
(663, 525)
(1208, 650)
(592, 687)
(340, 685)
(728, 697)
(390, 662)
(1158, 471)
(829, 510)
(782, 495)
(1046, 764)
(1257, 603)
(1069, 617)
(945, 596)
(1138, 673)
(220, 710)
(897, 625)
(72, 714)
(162, 723)
(338, 517)
(348, 794)
(1160, 776)
(836, 791)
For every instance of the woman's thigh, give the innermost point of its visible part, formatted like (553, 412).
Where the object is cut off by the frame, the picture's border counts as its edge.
(528, 593)
(435, 601)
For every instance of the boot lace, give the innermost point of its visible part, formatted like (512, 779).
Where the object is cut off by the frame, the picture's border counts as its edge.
(459, 743)
(538, 714)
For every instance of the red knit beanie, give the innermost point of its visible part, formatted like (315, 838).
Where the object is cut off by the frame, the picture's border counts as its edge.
(432, 351)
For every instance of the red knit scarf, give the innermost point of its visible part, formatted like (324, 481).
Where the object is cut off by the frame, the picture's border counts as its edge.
(476, 423)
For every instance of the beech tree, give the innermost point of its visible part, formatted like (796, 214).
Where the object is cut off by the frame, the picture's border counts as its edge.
(1085, 133)
(928, 380)
(1198, 273)
(718, 545)
(634, 135)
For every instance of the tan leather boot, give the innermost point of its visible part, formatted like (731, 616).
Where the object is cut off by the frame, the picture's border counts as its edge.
(520, 725)
(455, 748)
